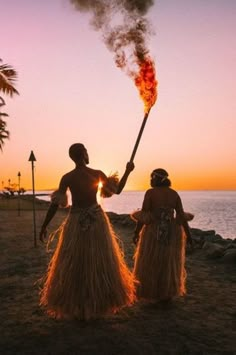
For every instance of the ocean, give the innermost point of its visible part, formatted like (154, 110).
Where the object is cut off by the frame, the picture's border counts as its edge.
(213, 210)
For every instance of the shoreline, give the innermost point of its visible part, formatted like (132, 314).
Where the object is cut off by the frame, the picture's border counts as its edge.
(199, 323)
(25, 203)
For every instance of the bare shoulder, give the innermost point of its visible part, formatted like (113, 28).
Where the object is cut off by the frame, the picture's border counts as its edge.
(64, 182)
(173, 192)
(96, 172)
(175, 196)
(68, 175)
(149, 192)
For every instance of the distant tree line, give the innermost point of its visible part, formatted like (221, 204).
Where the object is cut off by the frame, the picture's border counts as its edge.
(12, 190)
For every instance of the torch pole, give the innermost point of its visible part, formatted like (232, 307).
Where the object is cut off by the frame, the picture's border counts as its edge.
(19, 175)
(32, 159)
(34, 216)
(139, 136)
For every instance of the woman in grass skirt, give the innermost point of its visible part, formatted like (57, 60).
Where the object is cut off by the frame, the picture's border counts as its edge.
(161, 234)
(87, 276)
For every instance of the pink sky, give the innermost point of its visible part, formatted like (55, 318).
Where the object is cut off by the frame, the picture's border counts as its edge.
(71, 91)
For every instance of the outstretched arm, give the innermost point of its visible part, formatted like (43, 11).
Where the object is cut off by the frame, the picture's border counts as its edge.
(49, 216)
(137, 231)
(183, 221)
(187, 231)
(139, 224)
(123, 180)
(53, 208)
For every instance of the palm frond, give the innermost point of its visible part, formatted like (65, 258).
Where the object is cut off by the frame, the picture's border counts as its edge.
(2, 102)
(4, 133)
(8, 76)
(3, 114)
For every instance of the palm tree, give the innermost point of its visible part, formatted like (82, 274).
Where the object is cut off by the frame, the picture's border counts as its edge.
(4, 133)
(8, 75)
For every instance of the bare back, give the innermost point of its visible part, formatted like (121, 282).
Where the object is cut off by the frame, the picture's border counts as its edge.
(83, 184)
(160, 197)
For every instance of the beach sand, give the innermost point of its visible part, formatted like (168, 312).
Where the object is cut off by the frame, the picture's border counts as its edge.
(202, 322)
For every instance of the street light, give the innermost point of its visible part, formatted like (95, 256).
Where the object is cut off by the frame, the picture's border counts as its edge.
(19, 175)
(33, 159)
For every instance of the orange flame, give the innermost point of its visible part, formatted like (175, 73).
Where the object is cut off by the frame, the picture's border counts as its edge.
(146, 83)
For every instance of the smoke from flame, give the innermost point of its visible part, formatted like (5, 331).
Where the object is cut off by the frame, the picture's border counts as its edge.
(125, 31)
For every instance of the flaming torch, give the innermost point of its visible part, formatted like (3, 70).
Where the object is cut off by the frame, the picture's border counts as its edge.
(126, 38)
(147, 85)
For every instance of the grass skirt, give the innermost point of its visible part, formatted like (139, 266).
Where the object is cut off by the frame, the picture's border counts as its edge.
(159, 265)
(87, 276)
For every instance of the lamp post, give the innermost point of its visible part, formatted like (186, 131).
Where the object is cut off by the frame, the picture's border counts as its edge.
(19, 176)
(33, 159)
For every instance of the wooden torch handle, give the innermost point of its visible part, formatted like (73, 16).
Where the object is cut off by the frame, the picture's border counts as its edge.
(139, 137)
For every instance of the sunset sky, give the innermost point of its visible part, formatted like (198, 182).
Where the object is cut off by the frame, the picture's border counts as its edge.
(71, 91)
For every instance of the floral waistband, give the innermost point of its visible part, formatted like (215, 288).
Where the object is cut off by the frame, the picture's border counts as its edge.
(86, 215)
(91, 209)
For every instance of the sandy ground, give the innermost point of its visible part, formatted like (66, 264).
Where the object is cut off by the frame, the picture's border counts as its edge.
(203, 322)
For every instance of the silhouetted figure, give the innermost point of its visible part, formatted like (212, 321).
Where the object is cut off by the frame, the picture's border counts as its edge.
(87, 276)
(161, 234)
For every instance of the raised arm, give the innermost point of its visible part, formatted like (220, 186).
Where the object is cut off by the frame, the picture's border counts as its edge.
(111, 184)
(123, 180)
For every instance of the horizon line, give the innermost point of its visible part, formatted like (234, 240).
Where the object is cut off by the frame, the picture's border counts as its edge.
(142, 190)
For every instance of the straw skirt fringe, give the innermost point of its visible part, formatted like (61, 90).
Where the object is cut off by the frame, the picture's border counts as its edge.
(159, 266)
(87, 276)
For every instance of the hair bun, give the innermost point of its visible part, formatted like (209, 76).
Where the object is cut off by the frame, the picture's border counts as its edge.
(160, 172)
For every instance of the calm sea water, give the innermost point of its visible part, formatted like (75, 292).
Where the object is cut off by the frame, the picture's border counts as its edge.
(212, 209)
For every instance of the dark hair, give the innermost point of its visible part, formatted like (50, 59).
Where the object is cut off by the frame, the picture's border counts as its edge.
(159, 177)
(76, 151)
